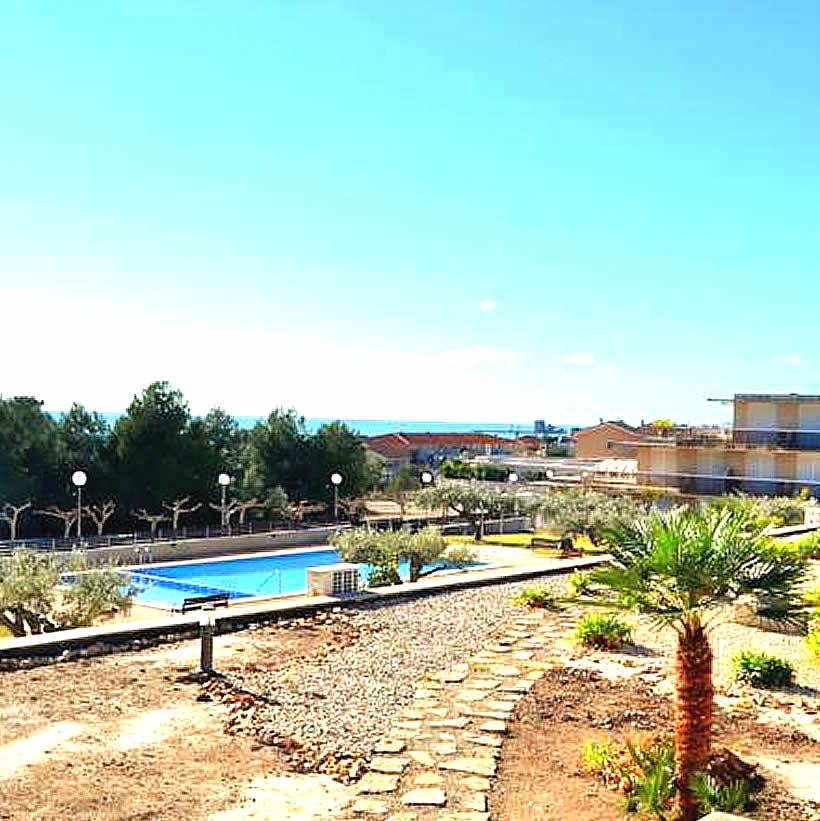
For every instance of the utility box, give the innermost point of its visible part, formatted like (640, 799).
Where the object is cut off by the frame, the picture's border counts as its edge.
(333, 579)
(812, 515)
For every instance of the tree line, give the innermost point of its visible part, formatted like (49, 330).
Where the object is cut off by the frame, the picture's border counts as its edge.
(158, 463)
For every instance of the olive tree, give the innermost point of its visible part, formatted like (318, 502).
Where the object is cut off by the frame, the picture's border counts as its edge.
(40, 592)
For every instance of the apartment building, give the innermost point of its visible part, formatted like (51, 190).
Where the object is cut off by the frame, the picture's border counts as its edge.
(773, 447)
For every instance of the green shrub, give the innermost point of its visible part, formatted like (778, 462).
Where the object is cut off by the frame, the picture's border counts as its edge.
(602, 631)
(715, 797)
(536, 597)
(652, 779)
(762, 669)
(578, 583)
(598, 758)
(806, 548)
(813, 642)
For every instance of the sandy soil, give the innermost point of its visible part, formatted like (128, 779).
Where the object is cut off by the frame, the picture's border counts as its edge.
(609, 697)
(123, 738)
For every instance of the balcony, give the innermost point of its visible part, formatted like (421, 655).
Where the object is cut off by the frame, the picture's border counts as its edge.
(744, 439)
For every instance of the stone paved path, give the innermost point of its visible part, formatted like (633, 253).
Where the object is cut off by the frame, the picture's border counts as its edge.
(439, 759)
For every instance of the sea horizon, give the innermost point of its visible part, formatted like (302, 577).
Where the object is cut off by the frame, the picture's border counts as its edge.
(377, 427)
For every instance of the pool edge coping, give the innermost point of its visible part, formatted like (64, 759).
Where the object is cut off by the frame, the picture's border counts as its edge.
(229, 619)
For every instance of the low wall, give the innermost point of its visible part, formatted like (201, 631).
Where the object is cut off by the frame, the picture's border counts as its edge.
(209, 548)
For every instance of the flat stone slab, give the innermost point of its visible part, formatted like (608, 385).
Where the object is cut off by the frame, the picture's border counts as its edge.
(403, 816)
(497, 715)
(464, 816)
(425, 693)
(425, 703)
(428, 780)
(450, 676)
(378, 783)
(390, 745)
(413, 714)
(444, 748)
(474, 765)
(408, 725)
(439, 712)
(422, 757)
(451, 722)
(483, 683)
(477, 801)
(519, 686)
(389, 765)
(500, 706)
(484, 740)
(369, 806)
(522, 655)
(499, 648)
(505, 670)
(471, 695)
(476, 783)
(425, 796)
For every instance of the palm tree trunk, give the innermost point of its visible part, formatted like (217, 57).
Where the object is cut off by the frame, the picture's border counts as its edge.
(693, 714)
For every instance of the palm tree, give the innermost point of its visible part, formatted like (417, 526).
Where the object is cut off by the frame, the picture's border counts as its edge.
(684, 569)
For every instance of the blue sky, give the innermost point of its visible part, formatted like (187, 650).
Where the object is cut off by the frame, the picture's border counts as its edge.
(441, 210)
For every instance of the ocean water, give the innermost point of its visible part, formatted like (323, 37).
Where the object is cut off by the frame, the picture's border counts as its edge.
(375, 427)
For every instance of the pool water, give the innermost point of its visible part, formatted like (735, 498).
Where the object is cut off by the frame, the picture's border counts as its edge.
(167, 585)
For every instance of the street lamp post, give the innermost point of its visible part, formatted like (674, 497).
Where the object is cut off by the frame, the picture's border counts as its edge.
(512, 479)
(223, 480)
(426, 480)
(335, 480)
(79, 479)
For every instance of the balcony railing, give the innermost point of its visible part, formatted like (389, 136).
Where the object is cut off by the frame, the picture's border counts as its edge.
(745, 438)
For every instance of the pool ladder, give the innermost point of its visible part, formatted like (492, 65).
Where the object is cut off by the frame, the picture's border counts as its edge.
(275, 573)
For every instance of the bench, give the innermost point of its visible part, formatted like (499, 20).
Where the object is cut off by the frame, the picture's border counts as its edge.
(540, 541)
(196, 602)
(567, 548)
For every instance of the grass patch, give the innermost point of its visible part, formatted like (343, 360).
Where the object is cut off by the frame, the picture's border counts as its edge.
(762, 669)
(533, 596)
(603, 631)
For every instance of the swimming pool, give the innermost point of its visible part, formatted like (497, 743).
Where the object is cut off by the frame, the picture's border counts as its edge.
(271, 574)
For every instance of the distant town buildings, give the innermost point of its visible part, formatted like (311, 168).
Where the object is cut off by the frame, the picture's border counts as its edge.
(397, 449)
(773, 447)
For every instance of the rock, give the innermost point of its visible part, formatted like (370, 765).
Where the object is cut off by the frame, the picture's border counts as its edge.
(390, 745)
(473, 765)
(369, 806)
(422, 757)
(389, 765)
(425, 796)
(378, 783)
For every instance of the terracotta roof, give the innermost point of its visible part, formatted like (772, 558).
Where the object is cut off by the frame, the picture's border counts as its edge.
(405, 444)
(621, 426)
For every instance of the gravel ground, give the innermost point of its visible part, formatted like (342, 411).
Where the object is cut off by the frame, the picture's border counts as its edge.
(346, 701)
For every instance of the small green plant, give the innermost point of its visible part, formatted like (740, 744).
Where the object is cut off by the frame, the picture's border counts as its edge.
(762, 669)
(598, 758)
(715, 797)
(813, 643)
(652, 779)
(541, 597)
(578, 584)
(602, 631)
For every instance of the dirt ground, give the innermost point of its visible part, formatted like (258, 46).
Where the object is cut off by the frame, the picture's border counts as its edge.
(123, 738)
(542, 775)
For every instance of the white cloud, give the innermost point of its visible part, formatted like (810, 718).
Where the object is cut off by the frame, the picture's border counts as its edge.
(487, 306)
(791, 359)
(585, 359)
(609, 372)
